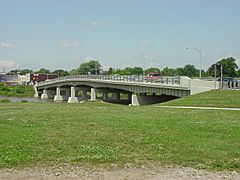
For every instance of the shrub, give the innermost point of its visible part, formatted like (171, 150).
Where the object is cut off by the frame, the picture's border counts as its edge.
(4, 100)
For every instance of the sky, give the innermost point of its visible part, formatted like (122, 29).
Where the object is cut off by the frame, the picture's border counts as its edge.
(62, 34)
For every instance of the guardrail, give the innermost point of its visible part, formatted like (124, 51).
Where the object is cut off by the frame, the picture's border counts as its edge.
(174, 80)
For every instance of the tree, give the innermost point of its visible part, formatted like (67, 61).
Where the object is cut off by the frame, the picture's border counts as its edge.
(89, 67)
(152, 69)
(13, 72)
(26, 71)
(60, 73)
(179, 71)
(169, 72)
(229, 67)
(43, 71)
(238, 73)
(110, 71)
(190, 71)
(74, 71)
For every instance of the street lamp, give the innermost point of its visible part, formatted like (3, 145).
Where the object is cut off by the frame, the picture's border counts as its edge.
(144, 62)
(221, 76)
(200, 56)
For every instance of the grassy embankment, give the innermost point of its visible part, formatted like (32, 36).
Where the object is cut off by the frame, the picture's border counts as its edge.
(96, 133)
(16, 91)
(214, 98)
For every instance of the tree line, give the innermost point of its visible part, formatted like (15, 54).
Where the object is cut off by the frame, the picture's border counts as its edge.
(229, 69)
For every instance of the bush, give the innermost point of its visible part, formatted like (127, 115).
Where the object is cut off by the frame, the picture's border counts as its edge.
(4, 100)
(4, 88)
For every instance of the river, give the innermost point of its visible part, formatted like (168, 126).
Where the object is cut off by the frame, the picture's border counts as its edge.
(28, 99)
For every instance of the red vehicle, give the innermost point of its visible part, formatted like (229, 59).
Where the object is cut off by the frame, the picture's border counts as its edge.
(153, 75)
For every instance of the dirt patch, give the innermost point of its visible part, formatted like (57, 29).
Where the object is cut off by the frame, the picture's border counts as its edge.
(142, 173)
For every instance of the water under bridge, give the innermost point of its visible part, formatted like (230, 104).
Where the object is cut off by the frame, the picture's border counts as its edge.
(134, 90)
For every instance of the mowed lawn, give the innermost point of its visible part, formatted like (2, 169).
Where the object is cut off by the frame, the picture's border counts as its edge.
(95, 133)
(214, 98)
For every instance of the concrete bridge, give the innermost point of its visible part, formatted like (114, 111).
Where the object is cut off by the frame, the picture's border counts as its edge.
(134, 90)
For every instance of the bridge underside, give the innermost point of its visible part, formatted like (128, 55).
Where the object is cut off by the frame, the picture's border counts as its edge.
(75, 92)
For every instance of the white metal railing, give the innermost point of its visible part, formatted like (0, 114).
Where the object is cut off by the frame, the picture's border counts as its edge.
(171, 80)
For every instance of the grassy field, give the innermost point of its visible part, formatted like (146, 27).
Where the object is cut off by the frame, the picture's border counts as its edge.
(100, 134)
(214, 98)
(16, 91)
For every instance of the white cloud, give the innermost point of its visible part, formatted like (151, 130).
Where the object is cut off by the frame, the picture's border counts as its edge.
(96, 24)
(7, 45)
(89, 58)
(7, 63)
(74, 44)
(36, 29)
(145, 44)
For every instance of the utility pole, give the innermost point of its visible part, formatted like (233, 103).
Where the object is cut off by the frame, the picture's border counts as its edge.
(215, 74)
(200, 59)
(221, 77)
(96, 68)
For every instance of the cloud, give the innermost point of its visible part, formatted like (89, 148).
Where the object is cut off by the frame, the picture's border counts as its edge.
(145, 44)
(7, 45)
(89, 58)
(36, 29)
(96, 24)
(7, 63)
(74, 44)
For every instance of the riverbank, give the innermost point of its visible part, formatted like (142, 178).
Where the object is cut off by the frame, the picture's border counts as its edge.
(100, 134)
(16, 91)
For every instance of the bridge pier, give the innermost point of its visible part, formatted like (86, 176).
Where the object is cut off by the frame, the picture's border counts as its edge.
(62, 94)
(73, 98)
(48, 94)
(36, 95)
(58, 96)
(93, 94)
(116, 96)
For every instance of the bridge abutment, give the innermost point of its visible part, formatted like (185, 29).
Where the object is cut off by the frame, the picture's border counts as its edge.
(138, 100)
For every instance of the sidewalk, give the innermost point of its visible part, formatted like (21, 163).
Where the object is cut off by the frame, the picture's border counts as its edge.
(204, 108)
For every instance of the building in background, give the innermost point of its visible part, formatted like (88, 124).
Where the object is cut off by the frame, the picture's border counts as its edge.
(35, 78)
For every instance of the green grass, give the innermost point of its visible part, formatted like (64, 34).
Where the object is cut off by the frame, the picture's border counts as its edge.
(214, 98)
(101, 134)
(16, 91)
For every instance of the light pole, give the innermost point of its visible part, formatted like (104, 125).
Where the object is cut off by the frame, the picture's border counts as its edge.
(144, 62)
(200, 57)
(221, 75)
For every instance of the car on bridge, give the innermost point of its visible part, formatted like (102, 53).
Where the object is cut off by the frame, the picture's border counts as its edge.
(153, 76)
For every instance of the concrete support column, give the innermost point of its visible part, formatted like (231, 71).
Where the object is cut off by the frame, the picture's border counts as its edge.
(36, 95)
(135, 101)
(129, 96)
(105, 95)
(48, 94)
(44, 94)
(116, 95)
(93, 94)
(84, 94)
(58, 96)
(73, 98)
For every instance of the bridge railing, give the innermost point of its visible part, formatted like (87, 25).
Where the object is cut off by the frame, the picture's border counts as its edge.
(173, 80)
